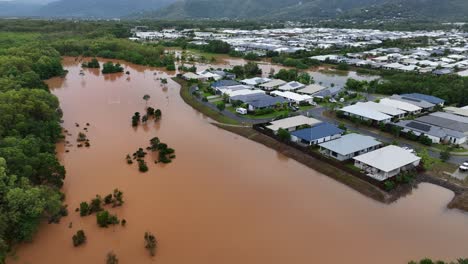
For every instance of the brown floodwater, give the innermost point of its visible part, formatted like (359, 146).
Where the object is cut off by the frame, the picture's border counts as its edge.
(224, 199)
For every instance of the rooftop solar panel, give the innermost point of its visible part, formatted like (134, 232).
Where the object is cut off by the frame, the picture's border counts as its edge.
(419, 126)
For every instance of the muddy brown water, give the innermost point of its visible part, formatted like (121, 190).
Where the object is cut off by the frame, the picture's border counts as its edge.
(224, 199)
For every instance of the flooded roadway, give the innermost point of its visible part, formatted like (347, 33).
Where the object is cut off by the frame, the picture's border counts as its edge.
(224, 199)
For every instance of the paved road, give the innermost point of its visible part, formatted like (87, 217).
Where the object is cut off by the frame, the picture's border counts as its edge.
(318, 114)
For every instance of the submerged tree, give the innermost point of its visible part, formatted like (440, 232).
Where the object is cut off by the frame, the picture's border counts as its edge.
(146, 97)
(79, 238)
(112, 258)
(150, 243)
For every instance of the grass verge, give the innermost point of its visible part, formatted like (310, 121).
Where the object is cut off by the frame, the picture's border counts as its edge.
(193, 102)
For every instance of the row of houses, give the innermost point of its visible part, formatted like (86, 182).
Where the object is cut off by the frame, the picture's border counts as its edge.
(393, 108)
(368, 154)
(449, 127)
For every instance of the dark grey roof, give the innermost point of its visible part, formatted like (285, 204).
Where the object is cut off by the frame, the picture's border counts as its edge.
(428, 129)
(443, 122)
(224, 83)
(428, 98)
(259, 100)
(316, 132)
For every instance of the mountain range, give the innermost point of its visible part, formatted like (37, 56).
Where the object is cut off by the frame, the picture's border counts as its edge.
(240, 9)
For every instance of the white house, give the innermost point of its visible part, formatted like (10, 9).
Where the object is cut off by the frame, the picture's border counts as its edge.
(404, 106)
(365, 113)
(292, 123)
(384, 109)
(386, 162)
(294, 97)
(291, 86)
(272, 85)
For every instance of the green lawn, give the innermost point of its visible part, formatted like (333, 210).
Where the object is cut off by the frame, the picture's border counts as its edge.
(192, 101)
(250, 116)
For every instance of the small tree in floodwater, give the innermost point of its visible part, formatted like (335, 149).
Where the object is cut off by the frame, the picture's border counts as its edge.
(150, 243)
(117, 198)
(144, 119)
(157, 114)
(84, 209)
(146, 97)
(135, 119)
(150, 111)
(79, 238)
(104, 219)
(112, 258)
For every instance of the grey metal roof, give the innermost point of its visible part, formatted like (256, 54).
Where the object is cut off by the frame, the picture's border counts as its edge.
(445, 123)
(428, 98)
(414, 101)
(350, 143)
(321, 130)
(430, 130)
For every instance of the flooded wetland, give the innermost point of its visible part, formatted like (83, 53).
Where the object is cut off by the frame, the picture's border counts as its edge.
(223, 199)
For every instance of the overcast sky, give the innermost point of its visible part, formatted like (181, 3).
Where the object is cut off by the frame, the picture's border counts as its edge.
(33, 1)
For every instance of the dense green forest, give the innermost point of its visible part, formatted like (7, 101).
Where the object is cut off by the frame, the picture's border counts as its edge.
(30, 174)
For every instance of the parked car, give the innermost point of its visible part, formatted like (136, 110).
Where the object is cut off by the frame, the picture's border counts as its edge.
(241, 111)
(463, 168)
(408, 149)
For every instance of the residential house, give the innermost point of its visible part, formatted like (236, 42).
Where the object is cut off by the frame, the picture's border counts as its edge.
(291, 86)
(386, 162)
(402, 105)
(349, 146)
(366, 114)
(435, 133)
(317, 134)
(292, 123)
(311, 89)
(294, 97)
(424, 97)
(272, 85)
(259, 101)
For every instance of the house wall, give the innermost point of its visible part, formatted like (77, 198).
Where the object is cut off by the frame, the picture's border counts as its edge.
(340, 157)
(382, 175)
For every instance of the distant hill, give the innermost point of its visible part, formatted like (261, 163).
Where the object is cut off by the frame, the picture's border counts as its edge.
(452, 10)
(312, 9)
(16, 8)
(99, 8)
(240, 9)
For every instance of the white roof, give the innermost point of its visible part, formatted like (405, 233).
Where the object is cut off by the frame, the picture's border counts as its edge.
(394, 65)
(291, 86)
(311, 89)
(383, 108)
(255, 80)
(458, 111)
(368, 113)
(292, 96)
(400, 105)
(243, 92)
(292, 122)
(463, 73)
(273, 83)
(210, 75)
(350, 143)
(388, 158)
(191, 75)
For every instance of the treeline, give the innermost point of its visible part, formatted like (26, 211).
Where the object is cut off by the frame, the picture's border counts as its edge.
(113, 48)
(452, 88)
(30, 174)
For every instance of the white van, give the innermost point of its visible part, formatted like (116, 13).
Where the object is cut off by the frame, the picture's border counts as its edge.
(241, 111)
